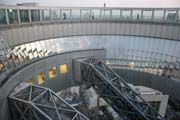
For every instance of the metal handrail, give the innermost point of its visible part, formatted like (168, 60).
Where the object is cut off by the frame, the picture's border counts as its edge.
(167, 15)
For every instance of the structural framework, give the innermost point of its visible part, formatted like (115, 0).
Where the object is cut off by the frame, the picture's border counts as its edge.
(5, 52)
(39, 103)
(116, 91)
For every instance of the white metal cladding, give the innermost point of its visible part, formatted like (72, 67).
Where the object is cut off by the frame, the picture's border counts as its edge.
(20, 35)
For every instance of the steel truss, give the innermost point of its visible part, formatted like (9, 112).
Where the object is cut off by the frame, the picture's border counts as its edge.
(116, 91)
(5, 52)
(39, 103)
(3, 47)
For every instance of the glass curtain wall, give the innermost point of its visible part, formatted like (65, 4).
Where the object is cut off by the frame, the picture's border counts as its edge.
(13, 16)
(106, 14)
(46, 15)
(85, 14)
(66, 14)
(96, 14)
(2, 17)
(35, 15)
(126, 15)
(115, 15)
(76, 14)
(170, 15)
(136, 14)
(125, 43)
(120, 47)
(147, 14)
(179, 16)
(158, 15)
(56, 14)
(24, 15)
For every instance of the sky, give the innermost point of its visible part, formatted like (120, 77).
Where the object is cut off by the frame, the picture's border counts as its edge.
(99, 3)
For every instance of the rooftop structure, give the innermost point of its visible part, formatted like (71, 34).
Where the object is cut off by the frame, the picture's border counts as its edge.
(154, 97)
(43, 104)
(28, 4)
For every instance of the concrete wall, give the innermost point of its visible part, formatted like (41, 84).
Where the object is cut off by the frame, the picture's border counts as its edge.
(163, 84)
(60, 82)
(28, 33)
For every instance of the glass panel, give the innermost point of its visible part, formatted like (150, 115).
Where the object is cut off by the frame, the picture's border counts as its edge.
(13, 17)
(106, 14)
(65, 15)
(115, 14)
(126, 14)
(35, 15)
(86, 14)
(158, 14)
(170, 15)
(136, 14)
(41, 77)
(147, 15)
(2, 17)
(96, 14)
(46, 15)
(29, 51)
(34, 50)
(38, 47)
(56, 14)
(63, 68)
(75, 14)
(43, 47)
(52, 72)
(178, 15)
(24, 15)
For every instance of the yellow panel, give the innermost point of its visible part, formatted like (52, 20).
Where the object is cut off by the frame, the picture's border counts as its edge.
(63, 68)
(41, 78)
(1, 66)
(52, 72)
(32, 82)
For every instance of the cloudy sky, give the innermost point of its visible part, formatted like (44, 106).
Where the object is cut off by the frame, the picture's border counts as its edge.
(98, 3)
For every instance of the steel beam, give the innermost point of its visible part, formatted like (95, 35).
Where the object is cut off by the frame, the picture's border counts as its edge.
(116, 91)
(44, 106)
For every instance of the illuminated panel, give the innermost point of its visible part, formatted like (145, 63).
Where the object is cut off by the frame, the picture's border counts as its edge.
(52, 72)
(41, 77)
(63, 68)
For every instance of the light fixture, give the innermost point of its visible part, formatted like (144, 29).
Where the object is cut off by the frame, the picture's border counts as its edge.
(1, 66)
(132, 64)
(10, 10)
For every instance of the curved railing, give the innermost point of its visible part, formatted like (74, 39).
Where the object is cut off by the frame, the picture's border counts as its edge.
(163, 68)
(21, 15)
